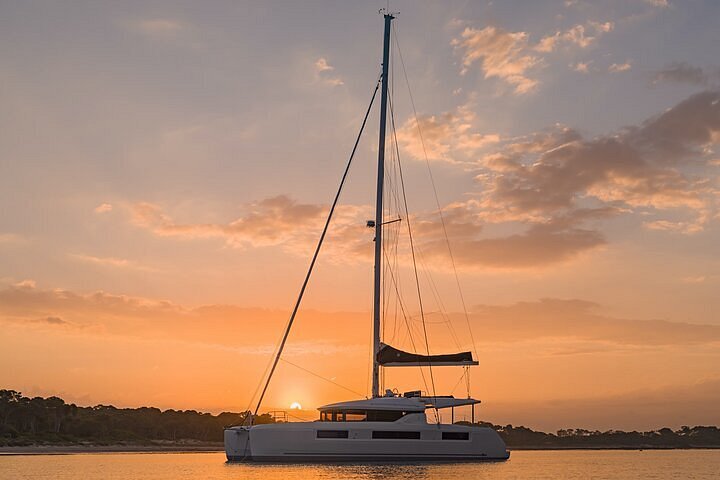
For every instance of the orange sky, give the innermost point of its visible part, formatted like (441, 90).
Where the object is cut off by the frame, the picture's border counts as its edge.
(160, 204)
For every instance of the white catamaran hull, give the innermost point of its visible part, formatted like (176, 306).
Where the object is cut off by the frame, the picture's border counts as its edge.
(304, 442)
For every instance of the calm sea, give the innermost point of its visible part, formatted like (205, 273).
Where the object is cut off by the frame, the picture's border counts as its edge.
(615, 465)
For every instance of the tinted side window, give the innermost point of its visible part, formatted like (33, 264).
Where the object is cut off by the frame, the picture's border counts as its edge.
(456, 435)
(332, 434)
(384, 415)
(385, 434)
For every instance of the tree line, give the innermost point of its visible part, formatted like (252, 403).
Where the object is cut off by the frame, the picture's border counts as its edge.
(31, 421)
(685, 437)
(28, 421)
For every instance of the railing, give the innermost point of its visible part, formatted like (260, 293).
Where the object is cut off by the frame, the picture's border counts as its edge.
(279, 415)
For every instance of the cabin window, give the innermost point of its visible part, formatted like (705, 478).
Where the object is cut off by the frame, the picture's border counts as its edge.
(395, 435)
(355, 416)
(456, 435)
(384, 415)
(361, 415)
(332, 434)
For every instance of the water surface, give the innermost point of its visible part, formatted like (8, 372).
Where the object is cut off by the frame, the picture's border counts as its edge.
(577, 464)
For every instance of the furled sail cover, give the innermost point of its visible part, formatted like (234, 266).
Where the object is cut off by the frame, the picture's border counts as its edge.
(392, 357)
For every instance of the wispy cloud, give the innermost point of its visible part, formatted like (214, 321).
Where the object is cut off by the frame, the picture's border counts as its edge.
(103, 208)
(511, 57)
(111, 262)
(502, 54)
(448, 136)
(620, 67)
(579, 35)
(581, 67)
(324, 73)
(159, 27)
(277, 221)
(223, 325)
(694, 279)
(560, 239)
(682, 72)
(11, 238)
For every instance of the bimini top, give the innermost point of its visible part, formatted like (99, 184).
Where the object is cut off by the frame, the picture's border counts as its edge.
(389, 356)
(405, 404)
(379, 403)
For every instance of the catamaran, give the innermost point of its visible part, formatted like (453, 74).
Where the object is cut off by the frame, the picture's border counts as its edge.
(388, 426)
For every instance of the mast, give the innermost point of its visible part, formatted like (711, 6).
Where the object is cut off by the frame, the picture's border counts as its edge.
(379, 208)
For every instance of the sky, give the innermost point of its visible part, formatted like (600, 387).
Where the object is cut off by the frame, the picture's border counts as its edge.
(166, 169)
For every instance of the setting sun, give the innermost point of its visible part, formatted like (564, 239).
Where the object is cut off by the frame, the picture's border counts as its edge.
(295, 406)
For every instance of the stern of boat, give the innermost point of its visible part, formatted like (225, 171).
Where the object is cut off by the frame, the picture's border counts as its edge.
(237, 444)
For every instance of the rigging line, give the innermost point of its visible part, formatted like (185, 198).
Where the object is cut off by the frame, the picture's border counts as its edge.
(458, 382)
(407, 323)
(438, 299)
(249, 416)
(317, 249)
(321, 377)
(412, 251)
(437, 201)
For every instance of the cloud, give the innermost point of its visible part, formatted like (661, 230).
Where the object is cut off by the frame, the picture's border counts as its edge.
(578, 35)
(682, 72)
(575, 319)
(501, 54)
(323, 73)
(652, 166)
(547, 186)
(690, 227)
(581, 67)
(282, 222)
(25, 299)
(54, 320)
(277, 221)
(620, 67)
(658, 3)
(217, 326)
(11, 238)
(321, 65)
(511, 57)
(110, 262)
(159, 26)
(447, 136)
(557, 240)
(583, 320)
(103, 208)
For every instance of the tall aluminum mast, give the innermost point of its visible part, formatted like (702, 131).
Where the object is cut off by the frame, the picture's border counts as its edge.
(379, 208)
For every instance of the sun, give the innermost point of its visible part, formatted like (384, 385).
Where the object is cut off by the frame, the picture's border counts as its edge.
(295, 406)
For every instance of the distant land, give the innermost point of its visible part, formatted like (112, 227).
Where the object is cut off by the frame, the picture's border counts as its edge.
(51, 425)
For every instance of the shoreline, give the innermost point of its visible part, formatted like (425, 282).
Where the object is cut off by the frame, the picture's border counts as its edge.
(83, 449)
(219, 448)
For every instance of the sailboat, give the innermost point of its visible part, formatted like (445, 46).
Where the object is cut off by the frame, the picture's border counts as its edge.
(388, 426)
